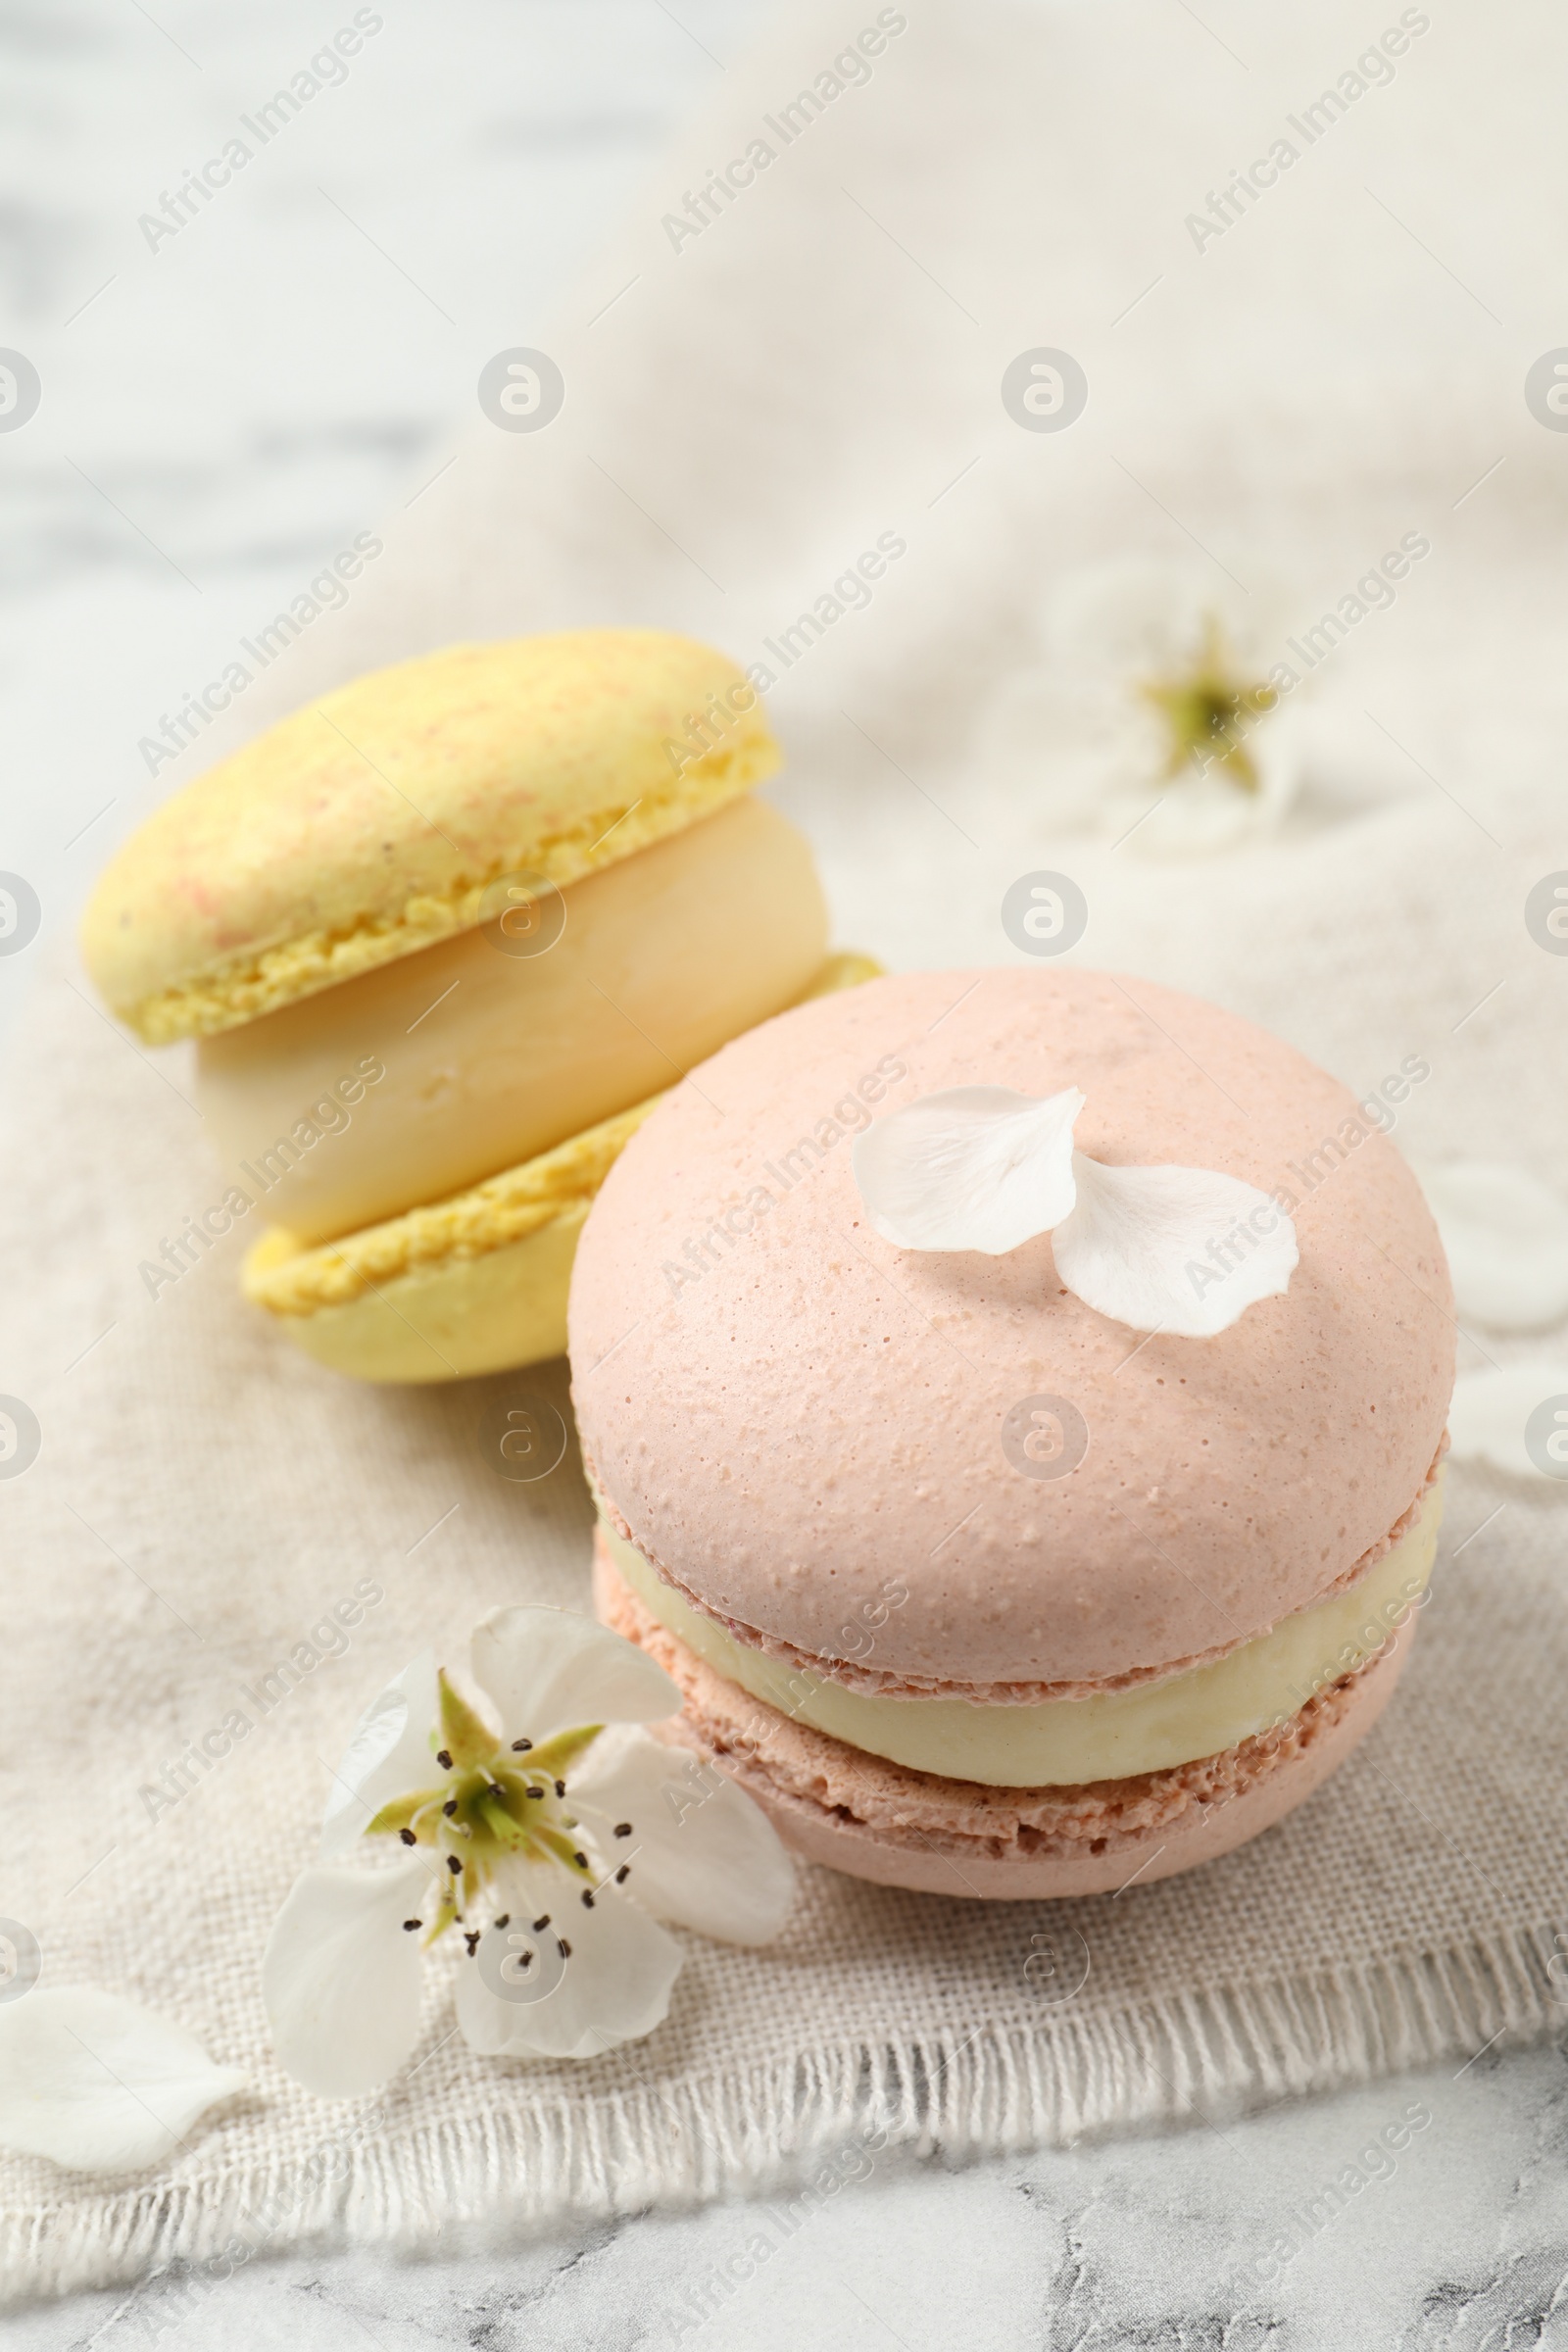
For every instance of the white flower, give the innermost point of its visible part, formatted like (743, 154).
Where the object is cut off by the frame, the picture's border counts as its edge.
(98, 2083)
(553, 1838)
(1146, 715)
(1185, 1250)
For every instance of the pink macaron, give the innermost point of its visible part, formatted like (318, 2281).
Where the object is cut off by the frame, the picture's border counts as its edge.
(1014, 1402)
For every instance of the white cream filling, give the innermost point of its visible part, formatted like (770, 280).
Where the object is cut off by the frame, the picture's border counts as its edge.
(432, 1072)
(1062, 1741)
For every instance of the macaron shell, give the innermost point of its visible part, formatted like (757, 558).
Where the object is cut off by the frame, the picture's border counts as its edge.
(473, 1060)
(873, 1820)
(475, 1283)
(790, 1414)
(454, 1319)
(370, 823)
(1199, 1836)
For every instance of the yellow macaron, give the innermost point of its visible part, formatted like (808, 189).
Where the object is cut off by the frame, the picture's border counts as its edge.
(443, 937)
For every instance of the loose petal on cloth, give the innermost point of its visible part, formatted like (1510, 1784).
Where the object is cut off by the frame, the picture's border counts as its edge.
(100, 2085)
(1514, 1416)
(1506, 1237)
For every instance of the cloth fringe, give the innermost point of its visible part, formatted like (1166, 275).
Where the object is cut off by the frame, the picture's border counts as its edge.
(799, 2128)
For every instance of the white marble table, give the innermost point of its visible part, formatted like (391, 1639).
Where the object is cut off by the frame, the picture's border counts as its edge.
(1462, 2248)
(223, 413)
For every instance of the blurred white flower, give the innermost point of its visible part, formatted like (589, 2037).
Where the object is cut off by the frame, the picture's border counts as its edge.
(1147, 715)
(555, 1837)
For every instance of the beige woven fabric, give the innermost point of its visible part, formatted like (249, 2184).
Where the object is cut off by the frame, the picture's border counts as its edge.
(774, 395)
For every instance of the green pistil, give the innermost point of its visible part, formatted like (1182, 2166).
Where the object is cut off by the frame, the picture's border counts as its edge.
(512, 1836)
(1208, 713)
(492, 1804)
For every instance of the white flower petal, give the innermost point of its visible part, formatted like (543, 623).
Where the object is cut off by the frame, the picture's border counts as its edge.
(975, 1167)
(1184, 1251)
(99, 2084)
(548, 1669)
(518, 1964)
(1132, 615)
(388, 1753)
(616, 1985)
(1506, 1237)
(1204, 809)
(701, 1852)
(340, 1976)
(1493, 1409)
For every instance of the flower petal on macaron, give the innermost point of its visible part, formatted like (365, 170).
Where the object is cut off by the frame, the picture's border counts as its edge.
(614, 1988)
(388, 1751)
(1505, 1235)
(973, 1168)
(548, 1670)
(98, 2083)
(1185, 1250)
(341, 1977)
(701, 1852)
